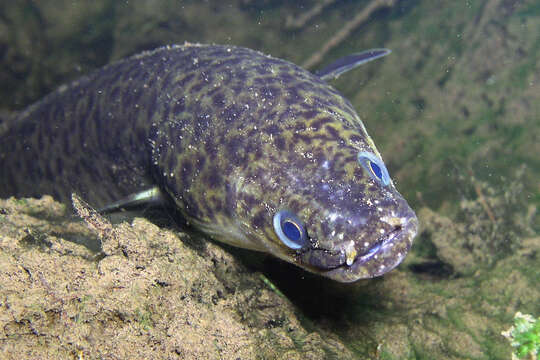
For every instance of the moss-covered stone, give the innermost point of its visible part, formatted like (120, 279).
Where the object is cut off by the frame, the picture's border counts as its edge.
(151, 297)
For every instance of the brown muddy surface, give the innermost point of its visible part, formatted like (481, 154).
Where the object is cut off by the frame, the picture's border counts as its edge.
(150, 296)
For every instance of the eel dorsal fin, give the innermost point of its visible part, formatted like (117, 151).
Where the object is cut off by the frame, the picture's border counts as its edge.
(349, 62)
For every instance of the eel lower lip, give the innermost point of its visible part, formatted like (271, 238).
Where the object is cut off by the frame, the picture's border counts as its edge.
(384, 241)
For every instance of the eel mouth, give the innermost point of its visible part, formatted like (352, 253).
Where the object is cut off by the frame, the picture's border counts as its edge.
(384, 255)
(385, 241)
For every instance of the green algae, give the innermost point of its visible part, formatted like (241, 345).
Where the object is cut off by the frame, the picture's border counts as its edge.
(524, 336)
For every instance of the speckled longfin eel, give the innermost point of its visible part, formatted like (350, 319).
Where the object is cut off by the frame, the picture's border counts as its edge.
(253, 150)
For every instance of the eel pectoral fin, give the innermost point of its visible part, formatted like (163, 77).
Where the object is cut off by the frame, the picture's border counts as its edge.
(349, 62)
(152, 196)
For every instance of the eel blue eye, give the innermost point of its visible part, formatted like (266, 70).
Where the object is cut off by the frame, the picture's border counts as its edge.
(290, 229)
(374, 166)
(376, 170)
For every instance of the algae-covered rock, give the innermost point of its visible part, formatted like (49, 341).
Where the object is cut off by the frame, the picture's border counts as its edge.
(151, 296)
(490, 225)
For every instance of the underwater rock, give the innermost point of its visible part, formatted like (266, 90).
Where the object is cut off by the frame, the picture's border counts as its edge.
(151, 296)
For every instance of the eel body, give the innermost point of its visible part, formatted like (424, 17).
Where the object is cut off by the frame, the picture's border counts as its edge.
(252, 150)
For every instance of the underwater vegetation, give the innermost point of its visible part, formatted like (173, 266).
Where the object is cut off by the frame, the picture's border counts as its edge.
(524, 336)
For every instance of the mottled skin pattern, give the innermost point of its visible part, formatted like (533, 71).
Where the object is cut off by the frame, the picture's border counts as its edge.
(232, 136)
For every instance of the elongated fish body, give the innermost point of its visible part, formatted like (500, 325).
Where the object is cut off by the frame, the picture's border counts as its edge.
(252, 150)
